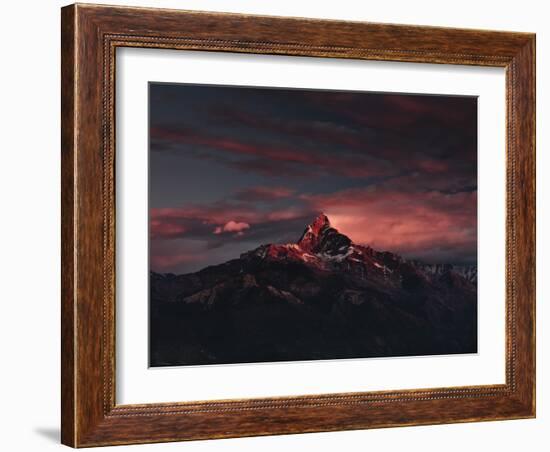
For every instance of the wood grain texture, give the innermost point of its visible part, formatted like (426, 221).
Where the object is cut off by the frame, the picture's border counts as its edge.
(68, 147)
(90, 36)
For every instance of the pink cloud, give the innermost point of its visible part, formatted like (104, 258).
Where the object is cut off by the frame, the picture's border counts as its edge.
(215, 213)
(433, 166)
(285, 214)
(403, 222)
(164, 229)
(166, 222)
(232, 226)
(359, 163)
(352, 166)
(163, 262)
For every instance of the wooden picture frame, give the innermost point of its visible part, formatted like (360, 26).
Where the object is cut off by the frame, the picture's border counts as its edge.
(90, 36)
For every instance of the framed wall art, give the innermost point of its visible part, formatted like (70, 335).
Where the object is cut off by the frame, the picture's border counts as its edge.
(281, 225)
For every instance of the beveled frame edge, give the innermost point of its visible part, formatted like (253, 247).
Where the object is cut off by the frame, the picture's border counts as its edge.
(90, 36)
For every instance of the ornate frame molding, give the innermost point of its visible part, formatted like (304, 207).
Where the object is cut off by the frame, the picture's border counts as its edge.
(90, 36)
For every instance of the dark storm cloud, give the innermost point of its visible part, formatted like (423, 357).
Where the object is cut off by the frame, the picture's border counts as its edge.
(303, 159)
(232, 168)
(264, 194)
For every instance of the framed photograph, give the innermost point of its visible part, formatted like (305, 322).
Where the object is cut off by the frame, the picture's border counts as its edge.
(281, 225)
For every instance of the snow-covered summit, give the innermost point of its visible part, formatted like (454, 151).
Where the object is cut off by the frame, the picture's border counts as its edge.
(324, 248)
(320, 237)
(314, 232)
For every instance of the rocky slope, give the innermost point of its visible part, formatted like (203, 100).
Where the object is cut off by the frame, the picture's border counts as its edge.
(323, 297)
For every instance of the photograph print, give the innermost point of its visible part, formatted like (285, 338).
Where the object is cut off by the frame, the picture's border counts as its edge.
(299, 224)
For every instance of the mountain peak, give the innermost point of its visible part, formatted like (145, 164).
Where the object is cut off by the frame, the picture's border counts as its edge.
(320, 223)
(311, 236)
(320, 236)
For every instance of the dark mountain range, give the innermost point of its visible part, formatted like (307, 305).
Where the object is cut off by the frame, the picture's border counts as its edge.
(323, 297)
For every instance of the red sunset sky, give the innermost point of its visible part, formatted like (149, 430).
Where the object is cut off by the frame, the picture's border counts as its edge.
(232, 168)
